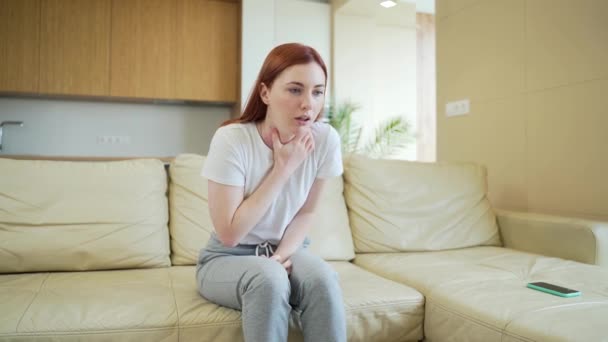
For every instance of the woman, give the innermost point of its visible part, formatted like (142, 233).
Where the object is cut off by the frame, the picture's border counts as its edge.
(265, 172)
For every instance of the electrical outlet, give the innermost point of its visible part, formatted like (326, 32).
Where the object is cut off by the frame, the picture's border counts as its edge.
(460, 107)
(113, 139)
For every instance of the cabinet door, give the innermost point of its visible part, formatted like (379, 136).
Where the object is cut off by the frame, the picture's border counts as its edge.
(143, 46)
(206, 66)
(75, 47)
(19, 39)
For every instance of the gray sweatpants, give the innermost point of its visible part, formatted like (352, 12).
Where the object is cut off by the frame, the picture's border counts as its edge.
(261, 288)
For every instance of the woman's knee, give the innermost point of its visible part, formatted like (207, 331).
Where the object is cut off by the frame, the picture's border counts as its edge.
(328, 285)
(270, 276)
(323, 283)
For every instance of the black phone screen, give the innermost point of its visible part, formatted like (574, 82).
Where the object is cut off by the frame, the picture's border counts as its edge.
(554, 287)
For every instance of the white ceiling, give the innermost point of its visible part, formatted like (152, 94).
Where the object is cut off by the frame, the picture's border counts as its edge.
(424, 6)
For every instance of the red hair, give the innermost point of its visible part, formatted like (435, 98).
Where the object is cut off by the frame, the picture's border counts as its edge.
(279, 59)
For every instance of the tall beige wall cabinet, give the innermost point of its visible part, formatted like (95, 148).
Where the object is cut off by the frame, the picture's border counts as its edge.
(536, 77)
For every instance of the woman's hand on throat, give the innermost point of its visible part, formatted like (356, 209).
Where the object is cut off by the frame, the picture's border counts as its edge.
(290, 155)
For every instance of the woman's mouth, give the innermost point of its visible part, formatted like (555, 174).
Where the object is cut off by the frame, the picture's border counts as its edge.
(303, 120)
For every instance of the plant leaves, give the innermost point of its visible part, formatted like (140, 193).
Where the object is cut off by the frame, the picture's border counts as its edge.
(391, 136)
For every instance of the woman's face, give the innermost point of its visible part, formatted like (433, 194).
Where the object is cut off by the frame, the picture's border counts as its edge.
(295, 99)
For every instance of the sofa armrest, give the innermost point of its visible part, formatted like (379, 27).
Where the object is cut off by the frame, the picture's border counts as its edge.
(568, 238)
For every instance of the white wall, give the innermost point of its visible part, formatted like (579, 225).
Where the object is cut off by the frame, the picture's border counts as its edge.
(375, 62)
(72, 128)
(257, 39)
(268, 23)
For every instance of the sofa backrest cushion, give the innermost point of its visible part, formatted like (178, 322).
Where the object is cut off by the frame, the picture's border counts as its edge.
(77, 216)
(402, 206)
(190, 224)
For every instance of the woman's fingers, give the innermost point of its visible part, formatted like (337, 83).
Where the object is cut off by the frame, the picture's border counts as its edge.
(287, 264)
(310, 145)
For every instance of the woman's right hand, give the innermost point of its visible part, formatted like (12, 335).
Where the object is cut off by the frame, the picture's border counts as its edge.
(286, 264)
(289, 156)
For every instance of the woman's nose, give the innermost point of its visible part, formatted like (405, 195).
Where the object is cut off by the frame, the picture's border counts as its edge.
(306, 102)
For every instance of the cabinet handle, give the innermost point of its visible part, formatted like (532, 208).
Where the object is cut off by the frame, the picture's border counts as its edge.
(6, 123)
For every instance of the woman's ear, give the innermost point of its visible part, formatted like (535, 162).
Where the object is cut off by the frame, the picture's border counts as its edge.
(264, 93)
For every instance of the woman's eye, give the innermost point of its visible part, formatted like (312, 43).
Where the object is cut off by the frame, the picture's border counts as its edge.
(295, 90)
(317, 92)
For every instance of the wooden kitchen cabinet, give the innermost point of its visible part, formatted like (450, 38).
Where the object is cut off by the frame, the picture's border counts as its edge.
(75, 47)
(206, 63)
(143, 49)
(127, 49)
(19, 45)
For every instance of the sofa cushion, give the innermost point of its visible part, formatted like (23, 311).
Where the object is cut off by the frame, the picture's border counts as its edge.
(189, 221)
(376, 309)
(64, 216)
(480, 294)
(125, 305)
(190, 224)
(397, 205)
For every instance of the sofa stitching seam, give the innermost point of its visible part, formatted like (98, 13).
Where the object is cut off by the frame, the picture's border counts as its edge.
(85, 332)
(380, 306)
(31, 302)
(238, 323)
(175, 302)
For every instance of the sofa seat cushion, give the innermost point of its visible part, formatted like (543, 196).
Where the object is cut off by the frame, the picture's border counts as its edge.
(480, 294)
(125, 305)
(376, 309)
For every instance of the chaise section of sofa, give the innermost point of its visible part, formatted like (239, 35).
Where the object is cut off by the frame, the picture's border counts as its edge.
(434, 231)
(480, 294)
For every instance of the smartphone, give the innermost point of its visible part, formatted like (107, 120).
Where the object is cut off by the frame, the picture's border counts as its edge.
(554, 289)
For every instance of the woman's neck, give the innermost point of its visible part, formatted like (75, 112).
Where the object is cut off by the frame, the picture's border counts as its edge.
(265, 131)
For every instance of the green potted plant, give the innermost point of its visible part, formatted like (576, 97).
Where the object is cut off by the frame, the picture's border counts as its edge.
(390, 137)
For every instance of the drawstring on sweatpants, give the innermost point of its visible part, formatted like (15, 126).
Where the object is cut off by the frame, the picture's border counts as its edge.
(266, 248)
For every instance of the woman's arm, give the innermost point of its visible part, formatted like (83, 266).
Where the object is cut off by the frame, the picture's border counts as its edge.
(232, 215)
(300, 225)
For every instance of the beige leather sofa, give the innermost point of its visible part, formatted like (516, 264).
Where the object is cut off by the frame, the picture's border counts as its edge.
(104, 251)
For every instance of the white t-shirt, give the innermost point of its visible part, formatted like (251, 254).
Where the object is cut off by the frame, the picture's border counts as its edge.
(238, 156)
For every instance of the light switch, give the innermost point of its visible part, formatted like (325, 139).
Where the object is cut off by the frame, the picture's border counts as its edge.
(460, 107)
